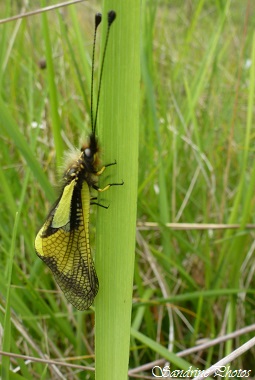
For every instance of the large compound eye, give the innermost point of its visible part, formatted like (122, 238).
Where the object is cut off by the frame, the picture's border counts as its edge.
(88, 153)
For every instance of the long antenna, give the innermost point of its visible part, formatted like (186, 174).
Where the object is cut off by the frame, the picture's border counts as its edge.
(98, 18)
(111, 18)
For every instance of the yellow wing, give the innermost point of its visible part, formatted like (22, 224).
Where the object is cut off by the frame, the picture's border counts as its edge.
(63, 244)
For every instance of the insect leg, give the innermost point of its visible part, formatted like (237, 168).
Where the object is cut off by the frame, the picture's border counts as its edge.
(112, 163)
(107, 186)
(104, 167)
(96, 203)
(99, 204)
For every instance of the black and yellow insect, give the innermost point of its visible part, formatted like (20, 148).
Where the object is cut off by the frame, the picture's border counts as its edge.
(63, 241)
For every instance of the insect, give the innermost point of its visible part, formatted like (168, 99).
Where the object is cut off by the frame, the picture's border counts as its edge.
(63, 240)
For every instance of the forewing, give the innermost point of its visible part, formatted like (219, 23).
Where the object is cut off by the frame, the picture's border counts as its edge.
(63, 244)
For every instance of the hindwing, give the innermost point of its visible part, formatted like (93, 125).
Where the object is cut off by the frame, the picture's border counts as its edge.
(63, 244)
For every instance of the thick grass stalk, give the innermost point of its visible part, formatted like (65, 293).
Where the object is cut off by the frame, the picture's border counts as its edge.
(115, 241)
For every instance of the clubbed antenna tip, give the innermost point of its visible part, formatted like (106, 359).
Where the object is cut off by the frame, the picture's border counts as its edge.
(98, 19)
(111, 17)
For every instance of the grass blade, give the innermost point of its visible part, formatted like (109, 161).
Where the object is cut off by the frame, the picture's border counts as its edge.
(116, 226)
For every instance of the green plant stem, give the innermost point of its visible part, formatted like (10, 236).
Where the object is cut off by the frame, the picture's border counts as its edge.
(116, 226)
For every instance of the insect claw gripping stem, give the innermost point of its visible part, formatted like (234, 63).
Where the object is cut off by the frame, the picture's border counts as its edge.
(112, 163)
